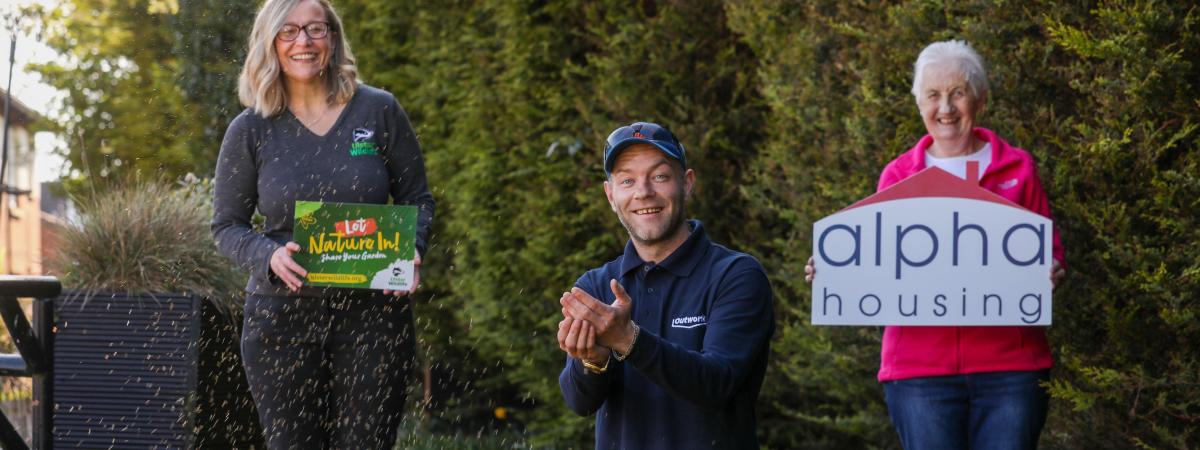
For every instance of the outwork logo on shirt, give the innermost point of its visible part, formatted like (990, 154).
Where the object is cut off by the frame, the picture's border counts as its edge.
(688, 322)
(364, 143)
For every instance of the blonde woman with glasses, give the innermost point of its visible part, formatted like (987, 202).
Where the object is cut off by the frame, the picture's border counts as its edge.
(327, 368)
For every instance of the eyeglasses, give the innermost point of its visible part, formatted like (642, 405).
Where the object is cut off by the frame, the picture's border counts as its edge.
(315, 30)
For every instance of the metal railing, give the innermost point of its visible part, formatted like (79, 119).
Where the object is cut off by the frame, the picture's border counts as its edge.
(34, 359)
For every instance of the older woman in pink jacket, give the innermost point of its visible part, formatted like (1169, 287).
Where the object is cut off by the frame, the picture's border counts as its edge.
(965, 387)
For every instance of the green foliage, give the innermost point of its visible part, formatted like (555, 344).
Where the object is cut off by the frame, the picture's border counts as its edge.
(512, 101)
(1129, 182)
(147, 238)
(413, 437)
(209, 42)
(1104, 97)
(149, 84)
(789, 110)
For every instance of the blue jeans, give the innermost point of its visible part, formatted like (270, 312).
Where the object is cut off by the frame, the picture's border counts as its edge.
(994, 410)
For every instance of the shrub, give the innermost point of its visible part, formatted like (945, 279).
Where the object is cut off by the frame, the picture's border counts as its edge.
(147, 237)
(512, 110)
(789, 109)
(1104, 97)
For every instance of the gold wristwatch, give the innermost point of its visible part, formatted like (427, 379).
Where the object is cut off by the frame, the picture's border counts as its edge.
(594, 368)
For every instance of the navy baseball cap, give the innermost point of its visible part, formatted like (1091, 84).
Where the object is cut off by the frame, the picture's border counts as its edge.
(642, 132)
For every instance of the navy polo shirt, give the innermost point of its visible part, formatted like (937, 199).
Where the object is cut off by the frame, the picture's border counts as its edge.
(693, 375)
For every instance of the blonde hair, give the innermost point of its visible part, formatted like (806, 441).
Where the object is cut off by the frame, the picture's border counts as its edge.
(260, 86)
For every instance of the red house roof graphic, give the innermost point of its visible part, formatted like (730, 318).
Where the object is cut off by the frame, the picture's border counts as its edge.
(935, 182)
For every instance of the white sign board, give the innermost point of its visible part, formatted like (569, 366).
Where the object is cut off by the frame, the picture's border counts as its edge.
(932, 261)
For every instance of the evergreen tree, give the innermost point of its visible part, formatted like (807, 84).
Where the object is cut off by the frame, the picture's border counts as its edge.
(148, 83)
(1104, 98)
(512, 102)
(208, 40)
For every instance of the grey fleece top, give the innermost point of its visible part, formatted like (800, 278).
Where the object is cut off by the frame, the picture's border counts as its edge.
(371, 153)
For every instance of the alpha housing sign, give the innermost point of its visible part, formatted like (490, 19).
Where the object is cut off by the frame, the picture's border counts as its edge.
(933, 250)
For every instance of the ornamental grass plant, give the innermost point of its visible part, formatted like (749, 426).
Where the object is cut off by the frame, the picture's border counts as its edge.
(146, 238)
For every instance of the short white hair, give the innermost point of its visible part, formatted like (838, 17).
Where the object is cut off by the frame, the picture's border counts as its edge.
(955, 52)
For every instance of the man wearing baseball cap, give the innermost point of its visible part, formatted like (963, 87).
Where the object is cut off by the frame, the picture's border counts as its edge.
(668, 343)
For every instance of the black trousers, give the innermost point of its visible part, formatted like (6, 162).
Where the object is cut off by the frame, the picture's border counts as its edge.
(331, 372)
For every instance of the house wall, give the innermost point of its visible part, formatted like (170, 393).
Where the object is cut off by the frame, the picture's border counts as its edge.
(20, 215)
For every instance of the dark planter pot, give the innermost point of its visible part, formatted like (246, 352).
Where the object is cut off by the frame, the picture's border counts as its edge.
(142, 371)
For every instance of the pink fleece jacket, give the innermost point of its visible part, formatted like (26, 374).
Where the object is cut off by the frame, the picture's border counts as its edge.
(910, 352)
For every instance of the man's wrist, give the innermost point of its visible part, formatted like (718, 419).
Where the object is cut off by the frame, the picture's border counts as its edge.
(628, 340)
(596, 367)
(599, 355)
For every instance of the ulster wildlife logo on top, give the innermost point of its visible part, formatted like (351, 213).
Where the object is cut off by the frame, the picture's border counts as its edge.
(364, 143)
